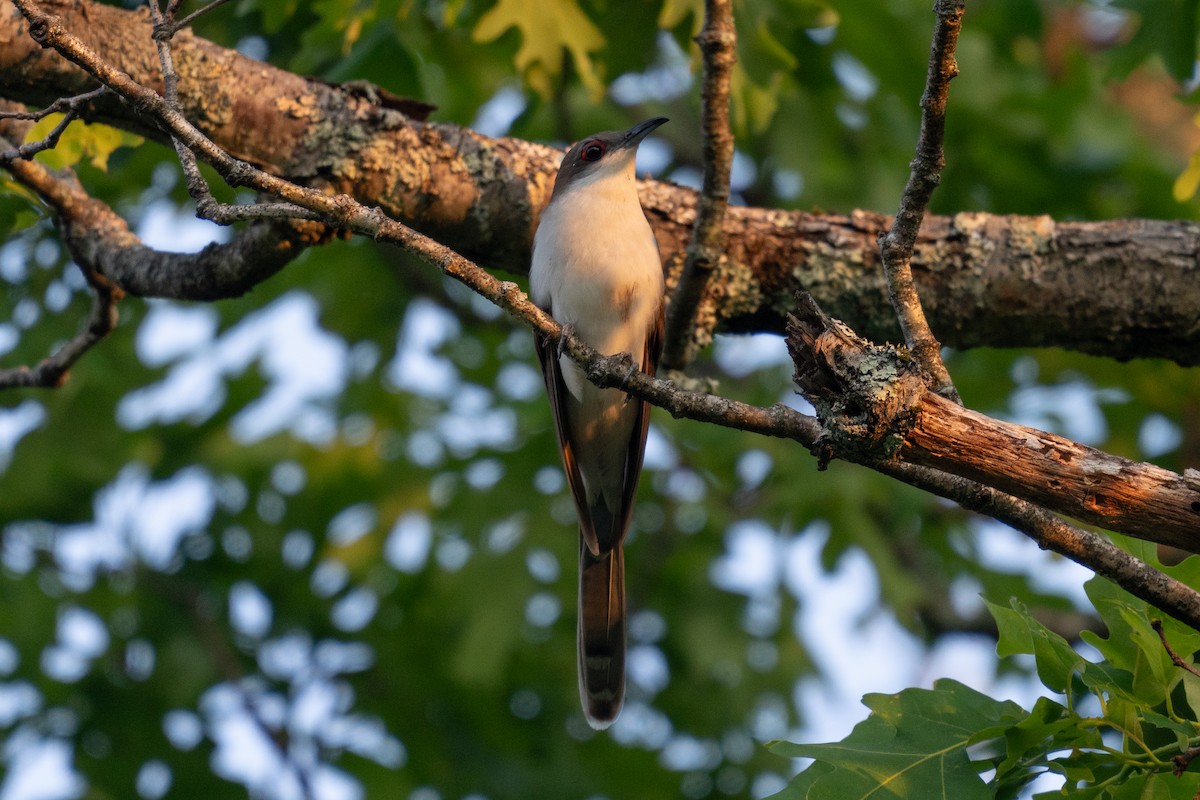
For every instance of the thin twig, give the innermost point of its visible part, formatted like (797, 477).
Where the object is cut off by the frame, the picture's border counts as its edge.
(1184, 760)
(70, 107)
(197, 187)
(1088, 549)
(718, 44)
(1157, 625)
(896, 246)
(62, 104)
(51, 372)
(48, 142)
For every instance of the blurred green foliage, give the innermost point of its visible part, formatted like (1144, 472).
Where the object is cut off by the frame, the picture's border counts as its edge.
(368, 575)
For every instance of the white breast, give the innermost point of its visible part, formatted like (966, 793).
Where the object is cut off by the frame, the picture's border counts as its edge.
(596, 265)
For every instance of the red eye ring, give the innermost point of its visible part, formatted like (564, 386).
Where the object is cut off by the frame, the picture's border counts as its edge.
(592, 151)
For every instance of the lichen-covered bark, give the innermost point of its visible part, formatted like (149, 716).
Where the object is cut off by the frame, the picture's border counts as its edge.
(1126, 288)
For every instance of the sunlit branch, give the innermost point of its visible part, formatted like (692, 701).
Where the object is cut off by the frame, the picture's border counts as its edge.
(52, 371)
(97, 236)
(870, 399)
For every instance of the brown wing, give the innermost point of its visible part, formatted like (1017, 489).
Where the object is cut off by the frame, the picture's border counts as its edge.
(556, 390)
(637, 444)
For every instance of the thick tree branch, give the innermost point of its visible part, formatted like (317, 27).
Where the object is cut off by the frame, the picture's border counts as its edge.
(1124, 289)
(96, 236)
(686, 327)
(1119, 494)
(862, 390)
(875, 401)
(896, 246)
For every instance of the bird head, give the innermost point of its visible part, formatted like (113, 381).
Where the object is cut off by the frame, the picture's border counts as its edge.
(602, 155)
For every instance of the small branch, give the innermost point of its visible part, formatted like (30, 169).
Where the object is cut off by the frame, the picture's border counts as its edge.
(1157, 625)
(48, 142)
(70, 108)
(62, 104)
(51, 372)
(875, 404)
(685, 325)
(1183, 760)
(1051, 533)
(896, 246)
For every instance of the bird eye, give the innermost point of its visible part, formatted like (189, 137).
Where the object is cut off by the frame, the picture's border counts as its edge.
(593, 151)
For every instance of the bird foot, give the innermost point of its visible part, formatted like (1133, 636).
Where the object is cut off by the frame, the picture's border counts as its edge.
(633, 368)
(568, 331)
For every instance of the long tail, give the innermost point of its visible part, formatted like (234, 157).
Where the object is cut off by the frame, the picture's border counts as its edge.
(601, 634)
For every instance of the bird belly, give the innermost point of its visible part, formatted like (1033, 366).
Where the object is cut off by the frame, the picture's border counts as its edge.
(609, 289)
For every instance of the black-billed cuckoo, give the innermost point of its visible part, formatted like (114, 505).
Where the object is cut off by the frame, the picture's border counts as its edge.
(596, 270)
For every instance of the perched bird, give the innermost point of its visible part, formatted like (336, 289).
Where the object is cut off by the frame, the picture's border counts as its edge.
(596, 270)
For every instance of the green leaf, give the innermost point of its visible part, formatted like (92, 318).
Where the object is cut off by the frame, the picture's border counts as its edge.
(914, 744)
(94, 141)
(547, 27)
(1132, 644)
(1021, 634)
(1157, 786)
(1049, 726)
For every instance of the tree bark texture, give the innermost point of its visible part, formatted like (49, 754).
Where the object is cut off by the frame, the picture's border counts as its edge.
(1124, 288)
(875, 403)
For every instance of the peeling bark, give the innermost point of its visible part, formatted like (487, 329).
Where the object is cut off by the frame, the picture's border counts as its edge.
(1124, 288)
(1115, 493)
(874, 403)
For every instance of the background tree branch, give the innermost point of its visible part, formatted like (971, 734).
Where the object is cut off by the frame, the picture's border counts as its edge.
(1140, 299)
(896, 246)
(686, 326)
